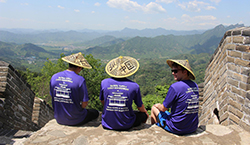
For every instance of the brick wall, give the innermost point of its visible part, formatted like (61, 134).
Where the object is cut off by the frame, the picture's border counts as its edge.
(226, 96)
(17, 101)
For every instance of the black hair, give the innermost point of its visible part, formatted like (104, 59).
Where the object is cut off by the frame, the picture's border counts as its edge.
(72, 66)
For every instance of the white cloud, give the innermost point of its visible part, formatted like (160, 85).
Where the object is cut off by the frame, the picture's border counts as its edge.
(215, 1)
(93, 12)
(153, 7)
(97, 4)
(210, 7)
(60, 7)
(195, 6)
(77, 10)
(187, 18)
(165, 1)
(126, 5)
(67, 21)
(2, 1)
(133, 6)
(25, 4)
(50, 6)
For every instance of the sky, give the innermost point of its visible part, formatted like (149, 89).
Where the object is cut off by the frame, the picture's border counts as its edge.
(119, 14)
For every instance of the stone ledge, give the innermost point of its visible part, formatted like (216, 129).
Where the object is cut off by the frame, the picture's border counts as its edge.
(93, 133)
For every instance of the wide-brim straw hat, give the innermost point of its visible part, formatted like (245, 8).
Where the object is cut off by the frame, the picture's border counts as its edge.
(122, 66)
(184, 64)
(78, 60)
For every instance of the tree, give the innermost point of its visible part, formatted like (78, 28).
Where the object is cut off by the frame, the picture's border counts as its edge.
(40, 83)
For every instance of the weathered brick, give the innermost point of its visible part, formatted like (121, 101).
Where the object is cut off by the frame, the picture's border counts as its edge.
(245, 126)
(233, 82)
(234, 104)
(246, 118)
(248, 95)
(224, 116)
(230, 59)
(242, 62)
(232, 67)
(236, 90)
(246, 110)
(236, 112)
(234, 118)
(244, 86)
(246, 56)
(246, 40)
(246, 32)
(245, 71)
(243, 48)
(238, 39)
(236, 31)
(230, 47)
(234, 53)
(237, 76)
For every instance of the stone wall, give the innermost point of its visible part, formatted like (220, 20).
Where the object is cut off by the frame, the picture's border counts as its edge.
(226, 96)
(17, 101)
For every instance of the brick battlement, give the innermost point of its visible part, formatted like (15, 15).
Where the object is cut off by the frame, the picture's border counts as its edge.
(19, 108)
(226, 96)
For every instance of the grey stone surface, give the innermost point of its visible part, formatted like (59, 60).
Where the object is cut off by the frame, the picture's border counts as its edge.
(93, 134)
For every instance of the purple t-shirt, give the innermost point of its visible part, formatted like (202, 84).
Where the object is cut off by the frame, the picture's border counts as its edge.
(183, 99)
(118, 95)
(68, 90)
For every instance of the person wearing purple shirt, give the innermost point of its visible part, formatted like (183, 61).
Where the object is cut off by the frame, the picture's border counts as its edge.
(118, 93)
(69, 93)
(182, 98)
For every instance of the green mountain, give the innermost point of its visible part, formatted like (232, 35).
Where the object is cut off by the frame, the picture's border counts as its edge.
(163, 46)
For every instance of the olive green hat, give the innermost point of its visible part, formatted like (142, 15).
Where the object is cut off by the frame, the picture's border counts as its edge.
(184, 64)
(78, 60)
(122, 66)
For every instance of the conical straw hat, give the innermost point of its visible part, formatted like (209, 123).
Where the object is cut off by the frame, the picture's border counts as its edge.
(183, 63)
(122, 66)
(78, 60)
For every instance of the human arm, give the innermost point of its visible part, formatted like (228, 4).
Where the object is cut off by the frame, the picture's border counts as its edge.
(160, 107)
(102, 101)
(84, 104)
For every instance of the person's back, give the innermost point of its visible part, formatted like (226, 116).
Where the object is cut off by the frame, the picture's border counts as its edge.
(184, 107)
(118, 93)
(121, 93)
(69, 93)
(183, 100)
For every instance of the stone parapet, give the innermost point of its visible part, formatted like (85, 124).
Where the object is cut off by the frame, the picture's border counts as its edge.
(17, 101)
(227, 81)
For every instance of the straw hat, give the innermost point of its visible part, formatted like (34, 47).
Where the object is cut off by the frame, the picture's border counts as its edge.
(78, 60)
(184, 64)
(122, 66)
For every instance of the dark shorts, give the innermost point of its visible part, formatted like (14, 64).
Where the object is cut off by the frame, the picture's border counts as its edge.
(91, 115)
(141, 117)
(161, 120)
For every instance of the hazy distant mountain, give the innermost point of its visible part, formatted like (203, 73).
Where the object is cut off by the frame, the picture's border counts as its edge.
(21, 36)
(164, 46)
(106, 40)
(127, 32)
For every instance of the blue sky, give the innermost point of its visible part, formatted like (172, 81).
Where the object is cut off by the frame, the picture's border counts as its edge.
(118, 14)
